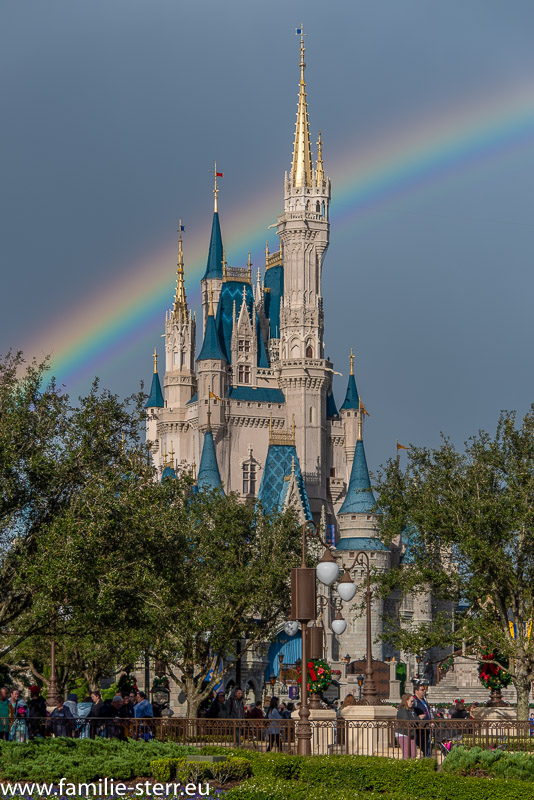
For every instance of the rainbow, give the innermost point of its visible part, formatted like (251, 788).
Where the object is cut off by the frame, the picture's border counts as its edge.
(366, 180)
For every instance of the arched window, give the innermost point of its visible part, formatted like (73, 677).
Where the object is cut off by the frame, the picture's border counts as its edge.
(318, 207)
(309, 351)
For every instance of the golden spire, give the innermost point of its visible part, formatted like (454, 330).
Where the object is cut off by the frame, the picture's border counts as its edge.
(155, 360)
(352, 357)
(301, 169)
(266, 252)
(249, 265)
(319, 172)
(360, 421)
(210, 307)
(171, 454)
(180, 300)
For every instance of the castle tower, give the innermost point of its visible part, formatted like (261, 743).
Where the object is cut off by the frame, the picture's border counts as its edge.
(351, 415)
(208, 473)
(180, 338)
(303, 373)
(212, 367)
(213, 275)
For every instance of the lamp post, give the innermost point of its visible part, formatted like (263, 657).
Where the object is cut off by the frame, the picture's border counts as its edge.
(360, 679)
(303, 610)
(52, 696)
(418, 659)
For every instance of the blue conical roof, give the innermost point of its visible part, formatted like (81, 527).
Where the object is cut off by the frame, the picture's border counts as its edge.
(215, 254)
(359, 499)
(351, 398)
(208, 473)
(331, 408)
(155, 399)
(211, 347)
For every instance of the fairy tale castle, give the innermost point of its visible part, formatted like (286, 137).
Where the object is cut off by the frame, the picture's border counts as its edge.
(251, 409)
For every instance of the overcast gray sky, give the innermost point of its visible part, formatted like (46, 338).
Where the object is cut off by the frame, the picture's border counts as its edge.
(114, 110)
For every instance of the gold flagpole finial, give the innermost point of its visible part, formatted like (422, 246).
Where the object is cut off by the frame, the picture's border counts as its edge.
(155, 356)
(352, 357)
(215, 189)
(171, 454)
(224, 264)
(180, 300)
(194, 468)
(266, 252)
(249, 265)
(360, 422)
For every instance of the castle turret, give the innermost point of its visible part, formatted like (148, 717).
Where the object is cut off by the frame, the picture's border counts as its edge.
(213, 275)
(153, 405)
(208, 474)
(350, 414)
(180, 338)
(212, 369)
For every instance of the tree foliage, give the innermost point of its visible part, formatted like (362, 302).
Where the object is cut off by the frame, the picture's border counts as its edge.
(467, 519)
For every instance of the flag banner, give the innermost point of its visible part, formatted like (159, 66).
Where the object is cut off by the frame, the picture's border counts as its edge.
(298, 31)
(362, 408)
(330, 535)
(402, 447)
(181, 228)
(214, 396)
(219, 174)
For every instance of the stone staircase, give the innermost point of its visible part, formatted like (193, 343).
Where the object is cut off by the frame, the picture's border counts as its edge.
(447, 691)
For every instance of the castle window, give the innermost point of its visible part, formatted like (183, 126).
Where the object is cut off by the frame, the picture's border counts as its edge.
(332, 472)
(309, 352)
(249, 477)
(243, 373)
(244, 346)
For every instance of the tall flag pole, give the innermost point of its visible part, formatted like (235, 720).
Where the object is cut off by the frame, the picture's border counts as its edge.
(215, 187)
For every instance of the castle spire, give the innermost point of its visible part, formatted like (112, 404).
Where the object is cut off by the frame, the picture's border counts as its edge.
(301, 168)
(319, 172)
(155, 398)
(180, 300)
(215, 252)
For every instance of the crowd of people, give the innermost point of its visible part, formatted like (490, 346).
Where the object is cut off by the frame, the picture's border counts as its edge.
(22, 719)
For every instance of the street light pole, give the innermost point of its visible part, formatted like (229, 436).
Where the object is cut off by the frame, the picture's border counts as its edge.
(52, 695)
(369, 693)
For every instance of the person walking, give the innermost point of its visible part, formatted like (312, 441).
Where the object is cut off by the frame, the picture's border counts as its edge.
(428, 673)
(405, 732)
(72, 704)
(273, 730)
(236, 710)
(18, 712)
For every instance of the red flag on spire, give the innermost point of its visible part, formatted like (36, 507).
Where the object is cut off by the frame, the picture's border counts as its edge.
(219, 174)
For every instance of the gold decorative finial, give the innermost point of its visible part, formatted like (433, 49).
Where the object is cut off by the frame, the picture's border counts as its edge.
(352, 357)
(360, 426)
(171, 454)
(180, 300)
(301, 169)
(194, 468)
(155, 360)
(164, 454)
(249, 265)
(319, 173)
(224, 264)
(215, 189)
(266, 252)
(210, 307)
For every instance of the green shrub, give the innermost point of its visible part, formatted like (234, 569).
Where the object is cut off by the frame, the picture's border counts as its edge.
(235, 769)
(494, 763)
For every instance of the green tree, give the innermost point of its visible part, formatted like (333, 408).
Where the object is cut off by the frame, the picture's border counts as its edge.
(69, 473)
(468, 520)
(224, 568)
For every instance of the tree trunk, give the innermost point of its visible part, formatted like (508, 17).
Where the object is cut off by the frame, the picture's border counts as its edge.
(523, 691)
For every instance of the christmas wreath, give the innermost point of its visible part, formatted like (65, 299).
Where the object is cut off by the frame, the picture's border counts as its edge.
(319, 675)
(160, 683)
(127, 683)
(492, 676)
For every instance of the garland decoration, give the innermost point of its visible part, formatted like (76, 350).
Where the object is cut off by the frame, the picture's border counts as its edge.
(319, 675)
(492, 676)
(160, 683)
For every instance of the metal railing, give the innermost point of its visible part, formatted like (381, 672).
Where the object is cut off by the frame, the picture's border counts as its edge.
(392, 738)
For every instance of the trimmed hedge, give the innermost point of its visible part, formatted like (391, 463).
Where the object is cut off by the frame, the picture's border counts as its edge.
(83, 760)
(180, 770)
(285, 777)
(493, 763)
